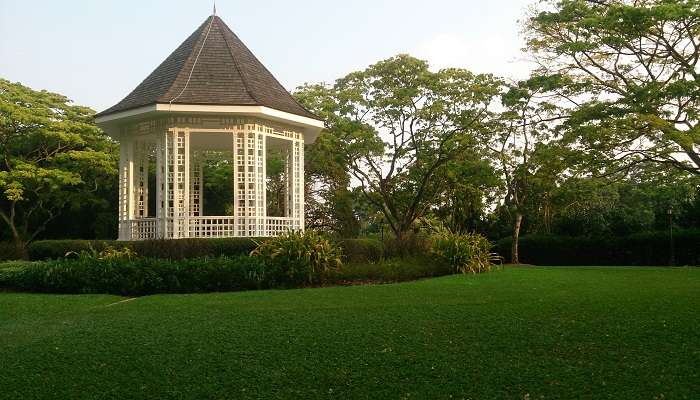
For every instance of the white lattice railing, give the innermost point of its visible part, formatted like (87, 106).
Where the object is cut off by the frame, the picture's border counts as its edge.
(276, 226)
(210, 227)
(143, 229)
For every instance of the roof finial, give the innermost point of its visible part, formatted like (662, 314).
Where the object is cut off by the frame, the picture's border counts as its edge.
(214, 13)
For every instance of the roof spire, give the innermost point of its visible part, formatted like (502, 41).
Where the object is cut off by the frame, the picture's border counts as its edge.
(214, 13)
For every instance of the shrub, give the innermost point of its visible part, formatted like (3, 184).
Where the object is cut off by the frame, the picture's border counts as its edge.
(11, 251)
(297, 258)
(107, 253)
(361, 250)
(136, 276)
(466, 253)
(168, 249)
(646, 248)
(53, 249)
(193, 248)
(410, 245)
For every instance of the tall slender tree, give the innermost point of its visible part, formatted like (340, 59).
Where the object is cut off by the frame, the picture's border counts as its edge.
(523, 148)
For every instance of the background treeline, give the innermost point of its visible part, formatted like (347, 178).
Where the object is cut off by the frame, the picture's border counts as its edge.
(594, 159)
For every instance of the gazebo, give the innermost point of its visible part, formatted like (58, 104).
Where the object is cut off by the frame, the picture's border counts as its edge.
(210, 94)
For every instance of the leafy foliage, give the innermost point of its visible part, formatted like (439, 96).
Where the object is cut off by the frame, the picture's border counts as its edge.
(51, 156)
(643, 248)
(108, 253)
(632, 67)
(296, 258)
(136, 276)
(397, 124)
(362, 250)
(165, 249)
(468, 253)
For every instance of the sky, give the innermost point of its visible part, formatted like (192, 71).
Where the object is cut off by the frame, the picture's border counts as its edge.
(96, 52)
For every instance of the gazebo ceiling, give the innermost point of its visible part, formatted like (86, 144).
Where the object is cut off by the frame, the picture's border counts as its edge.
(212, 67)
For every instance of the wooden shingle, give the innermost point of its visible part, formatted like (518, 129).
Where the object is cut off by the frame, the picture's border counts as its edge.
(226, 73)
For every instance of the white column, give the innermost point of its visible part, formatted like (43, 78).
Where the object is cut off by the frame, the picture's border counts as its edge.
(124, 188)
(171, 184)
(238, 184)
(185, 210)
(162, 184)
(301, 183)
(177, 177)
(295, 183)
(260, 185)
(263, 190)
(249, 185)
(196, 189)
(141, 179)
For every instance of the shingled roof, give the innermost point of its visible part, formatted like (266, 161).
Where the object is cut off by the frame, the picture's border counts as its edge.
(226, 73)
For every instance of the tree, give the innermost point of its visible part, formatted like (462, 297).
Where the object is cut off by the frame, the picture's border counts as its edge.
(51, 156)
(471, 183)
(633, 66)
(397, 124)
(330, 204)
(529, 164)
(639, 202)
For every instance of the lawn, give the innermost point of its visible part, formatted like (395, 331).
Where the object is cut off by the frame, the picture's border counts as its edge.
(619, 333)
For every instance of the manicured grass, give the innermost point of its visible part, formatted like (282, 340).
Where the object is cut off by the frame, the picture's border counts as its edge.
(619, 333)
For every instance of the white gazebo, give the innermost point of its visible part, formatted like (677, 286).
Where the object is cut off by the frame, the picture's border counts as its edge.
(210, 94)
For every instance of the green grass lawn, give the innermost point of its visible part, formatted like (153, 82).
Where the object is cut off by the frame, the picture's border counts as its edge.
(619, 333)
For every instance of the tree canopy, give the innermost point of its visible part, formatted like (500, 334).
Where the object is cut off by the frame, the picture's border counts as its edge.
(51, 155)
(397, 124)
(633, 70)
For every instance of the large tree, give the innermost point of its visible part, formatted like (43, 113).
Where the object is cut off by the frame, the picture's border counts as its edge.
(634, 66)
(51, 156)
(330, 204)
(524, 148)
(397, 124)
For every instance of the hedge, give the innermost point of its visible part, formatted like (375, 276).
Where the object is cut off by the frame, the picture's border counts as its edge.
(167, 249)
(642, 249)
(10, 251)
(354, 250)
(145, 276)
(137, 276)
(362, 250)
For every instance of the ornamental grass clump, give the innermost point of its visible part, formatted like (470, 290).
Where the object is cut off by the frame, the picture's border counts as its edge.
(466, 253)
(296, 258)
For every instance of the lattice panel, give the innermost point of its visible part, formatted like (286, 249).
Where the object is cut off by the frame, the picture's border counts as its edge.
(249, 182)
(143, 229)
(125, 187)
(141, 179)
(196, 189)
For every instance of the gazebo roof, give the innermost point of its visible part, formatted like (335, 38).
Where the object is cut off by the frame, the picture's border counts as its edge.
(211, 67)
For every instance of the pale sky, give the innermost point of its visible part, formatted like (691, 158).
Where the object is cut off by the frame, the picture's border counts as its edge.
(96, 52)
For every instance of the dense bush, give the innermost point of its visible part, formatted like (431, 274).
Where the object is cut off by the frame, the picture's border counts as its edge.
(52, 249)
(169, 249)
(135, 276)
(648, 248)
(361, 250)
(10, 251)
(410, 245)
(466, 253)
(297, 258)
(391, 270)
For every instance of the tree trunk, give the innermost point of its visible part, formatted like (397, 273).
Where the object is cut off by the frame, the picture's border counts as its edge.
(514, 253)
